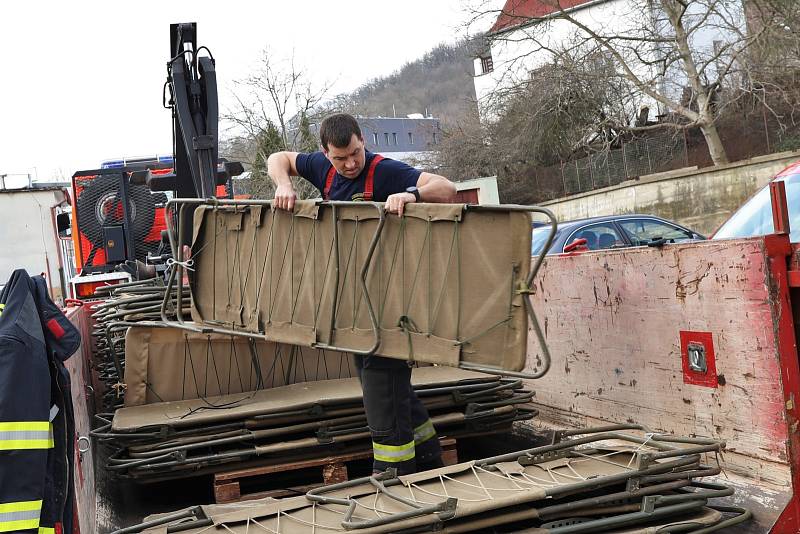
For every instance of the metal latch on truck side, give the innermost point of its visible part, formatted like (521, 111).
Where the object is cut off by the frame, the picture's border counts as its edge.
(697, 357)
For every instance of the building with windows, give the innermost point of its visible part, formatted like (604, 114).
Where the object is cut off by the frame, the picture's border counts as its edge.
(526, 34)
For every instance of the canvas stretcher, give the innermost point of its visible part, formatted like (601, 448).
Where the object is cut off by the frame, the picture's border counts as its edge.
(444, 284)
(607, 480)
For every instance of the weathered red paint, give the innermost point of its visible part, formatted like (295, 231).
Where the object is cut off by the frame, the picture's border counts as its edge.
(612, 318)
(709, 377)
(778, 249)
(78, 367)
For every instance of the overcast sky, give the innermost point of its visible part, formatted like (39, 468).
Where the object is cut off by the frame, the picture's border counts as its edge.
(81, 81)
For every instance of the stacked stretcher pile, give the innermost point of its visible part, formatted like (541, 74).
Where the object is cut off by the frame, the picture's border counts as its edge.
(165, 440)
(280, 302)
(603, 481)
(125, 305)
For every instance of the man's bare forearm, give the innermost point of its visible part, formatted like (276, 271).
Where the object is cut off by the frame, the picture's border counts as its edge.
(279, 168)
(436, 188)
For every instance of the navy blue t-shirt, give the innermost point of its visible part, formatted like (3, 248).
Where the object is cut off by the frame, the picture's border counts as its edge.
(391, 176)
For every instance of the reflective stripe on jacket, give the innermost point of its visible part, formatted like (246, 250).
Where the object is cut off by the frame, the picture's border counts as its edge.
(35, 451)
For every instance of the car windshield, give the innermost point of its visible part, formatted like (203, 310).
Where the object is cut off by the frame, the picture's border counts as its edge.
(644, 231)
(755, 216)
(538, 239)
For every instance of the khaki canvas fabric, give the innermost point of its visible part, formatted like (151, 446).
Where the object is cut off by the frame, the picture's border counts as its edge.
(195, 412)
(705, 517)
(443, 281)
(170, 364)
(478, 490)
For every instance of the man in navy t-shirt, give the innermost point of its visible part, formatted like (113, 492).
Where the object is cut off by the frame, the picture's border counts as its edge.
(343, 150)
(403, 436)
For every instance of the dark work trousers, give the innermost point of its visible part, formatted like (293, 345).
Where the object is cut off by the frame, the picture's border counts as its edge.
(403, 436)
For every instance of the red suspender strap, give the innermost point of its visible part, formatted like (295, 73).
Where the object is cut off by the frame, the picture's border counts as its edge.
(328, 183)
(368, 185)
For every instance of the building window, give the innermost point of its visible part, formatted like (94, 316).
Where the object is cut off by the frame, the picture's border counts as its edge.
(394, 138)
(410, 138)
(386, 138)
(375, 138)
(434, 138)
(487, 65)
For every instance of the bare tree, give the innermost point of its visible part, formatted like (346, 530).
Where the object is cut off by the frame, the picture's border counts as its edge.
(272, 111)
(553, 116)
(636, 65)
(465, 150)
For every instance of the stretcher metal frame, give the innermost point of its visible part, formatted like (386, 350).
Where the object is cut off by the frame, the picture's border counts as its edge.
(498, 406)
(178, 270)
(659, 484)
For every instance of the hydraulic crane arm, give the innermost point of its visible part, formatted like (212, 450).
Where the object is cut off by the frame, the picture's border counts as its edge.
(192, 84)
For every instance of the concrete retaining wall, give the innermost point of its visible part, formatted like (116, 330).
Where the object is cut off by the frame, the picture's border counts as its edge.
(701, 199)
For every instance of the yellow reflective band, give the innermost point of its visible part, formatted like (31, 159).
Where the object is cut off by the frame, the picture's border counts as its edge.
(393, 459)
(22, 515)
(393, 453)
(25, 444)
(424, 432)
(393, 448)
(46, 530)
(21, 506)
(23, 524)
(18, 426)
(22, 435)
(2, 306)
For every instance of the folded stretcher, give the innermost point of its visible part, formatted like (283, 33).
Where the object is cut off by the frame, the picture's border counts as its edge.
(604, 481)
(174, 439)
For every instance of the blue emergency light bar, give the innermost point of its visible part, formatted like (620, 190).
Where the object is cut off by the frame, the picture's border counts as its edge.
(129, 162)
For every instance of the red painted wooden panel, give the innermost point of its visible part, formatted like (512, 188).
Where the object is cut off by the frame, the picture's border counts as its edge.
(467, 196)
(613, 321)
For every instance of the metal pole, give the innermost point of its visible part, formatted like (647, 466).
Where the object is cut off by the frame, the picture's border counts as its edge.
(685, 149)
(624, 161)
(125, 194)
(62, 282)
(766, 127)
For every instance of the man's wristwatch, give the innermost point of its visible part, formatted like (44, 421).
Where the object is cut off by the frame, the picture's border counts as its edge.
(414, 191)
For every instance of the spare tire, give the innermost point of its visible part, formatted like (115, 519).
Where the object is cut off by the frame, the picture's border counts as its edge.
(99, 204)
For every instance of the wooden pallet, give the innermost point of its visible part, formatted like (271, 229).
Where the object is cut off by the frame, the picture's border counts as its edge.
(228, 488)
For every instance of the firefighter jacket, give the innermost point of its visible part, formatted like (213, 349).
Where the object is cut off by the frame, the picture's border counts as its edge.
(36, 420)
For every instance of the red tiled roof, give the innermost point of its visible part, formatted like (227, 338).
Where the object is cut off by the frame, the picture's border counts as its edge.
(518, 12)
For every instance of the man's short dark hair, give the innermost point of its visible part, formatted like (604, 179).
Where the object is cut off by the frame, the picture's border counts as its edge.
(337, 130)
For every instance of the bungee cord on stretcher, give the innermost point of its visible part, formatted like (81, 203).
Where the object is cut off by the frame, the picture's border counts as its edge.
(607, 480)
(344, 275)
